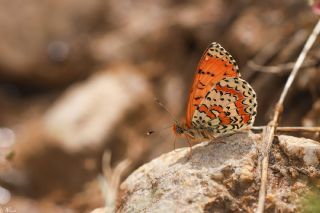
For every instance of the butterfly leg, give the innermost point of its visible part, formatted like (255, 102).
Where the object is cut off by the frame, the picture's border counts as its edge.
(190, 146)
(174, 143)
(221, 138)
(218, 140)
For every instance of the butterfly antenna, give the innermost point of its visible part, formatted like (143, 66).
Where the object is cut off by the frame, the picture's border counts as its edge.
(166, 109)
(152, 131)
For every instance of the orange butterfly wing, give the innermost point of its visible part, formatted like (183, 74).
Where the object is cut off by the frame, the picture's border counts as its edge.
(215, 64)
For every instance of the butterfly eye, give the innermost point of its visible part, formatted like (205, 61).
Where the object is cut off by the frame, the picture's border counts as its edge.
(179, 130)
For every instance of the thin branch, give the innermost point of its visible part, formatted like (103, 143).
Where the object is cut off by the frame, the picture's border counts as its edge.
(281, 68)
(270, 130)
(265, 54)
(290, 128)
(280, 47)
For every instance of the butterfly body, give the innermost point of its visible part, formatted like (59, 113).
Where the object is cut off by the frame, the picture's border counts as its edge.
(193, 133)
(220, 101)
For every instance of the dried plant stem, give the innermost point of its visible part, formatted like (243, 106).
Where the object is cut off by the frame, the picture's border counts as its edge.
(281, 68)
(269, 135)
(110, 180)
(290, 128)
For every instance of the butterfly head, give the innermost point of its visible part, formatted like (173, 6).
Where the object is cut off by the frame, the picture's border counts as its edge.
(178, 129)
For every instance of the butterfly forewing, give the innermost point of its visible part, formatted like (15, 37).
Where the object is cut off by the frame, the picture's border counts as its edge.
(215, 64)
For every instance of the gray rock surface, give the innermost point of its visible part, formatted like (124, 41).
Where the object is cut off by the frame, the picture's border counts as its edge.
(220, 176)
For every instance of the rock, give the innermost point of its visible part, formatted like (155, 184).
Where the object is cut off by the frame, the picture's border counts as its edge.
(302, 149)
(221, 176)
(207, 181)
(5, 196)
(87, 113)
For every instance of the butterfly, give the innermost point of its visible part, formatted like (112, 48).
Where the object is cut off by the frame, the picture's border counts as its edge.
(220, 101)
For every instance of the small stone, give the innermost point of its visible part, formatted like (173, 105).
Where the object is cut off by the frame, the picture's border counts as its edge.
(77, 128)
(301, 148)
(246, 175)
(218, 176)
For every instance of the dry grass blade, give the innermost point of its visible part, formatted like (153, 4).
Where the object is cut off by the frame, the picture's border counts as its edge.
(110, 180)
(269, 135)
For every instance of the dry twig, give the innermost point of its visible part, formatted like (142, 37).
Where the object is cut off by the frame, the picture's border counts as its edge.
(281, 68)
(270, 130)
(280, 46)
(290, 128)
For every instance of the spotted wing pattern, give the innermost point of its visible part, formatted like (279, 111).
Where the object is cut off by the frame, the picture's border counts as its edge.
(229, 105)
(215, 64)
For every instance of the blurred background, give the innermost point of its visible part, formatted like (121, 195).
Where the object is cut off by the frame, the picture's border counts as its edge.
(79, 77)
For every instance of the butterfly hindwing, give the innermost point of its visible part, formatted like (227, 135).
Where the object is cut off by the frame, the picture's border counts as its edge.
(229, 105)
